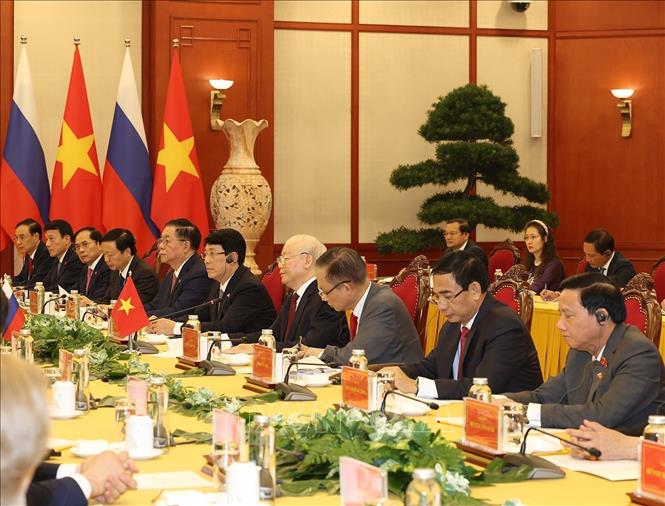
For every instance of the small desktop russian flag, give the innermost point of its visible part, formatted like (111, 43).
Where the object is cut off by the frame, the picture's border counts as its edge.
(15, 317)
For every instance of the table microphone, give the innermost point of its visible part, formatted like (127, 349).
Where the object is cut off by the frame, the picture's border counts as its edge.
(57, 297)
(594, 452)
(187, 309)
(431, 405)
(215, 368)
(219, 340)
(292, 392)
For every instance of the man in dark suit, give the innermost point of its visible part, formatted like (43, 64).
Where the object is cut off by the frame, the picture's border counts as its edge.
(119, 247)
(95, 276)
(304, 314)
(456, 233)
(482, 337)
(66, 267)
(614, 375)
(36, 260)
(245, 305)
(187, 283)
(601, 257)
(380, 322)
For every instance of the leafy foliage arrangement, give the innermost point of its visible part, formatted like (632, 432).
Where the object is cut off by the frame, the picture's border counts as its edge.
(473, 137)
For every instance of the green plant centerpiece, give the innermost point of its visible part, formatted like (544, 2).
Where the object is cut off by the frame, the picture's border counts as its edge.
(473, 144)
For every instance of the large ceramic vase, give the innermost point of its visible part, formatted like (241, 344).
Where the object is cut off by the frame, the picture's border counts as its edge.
(241, 197)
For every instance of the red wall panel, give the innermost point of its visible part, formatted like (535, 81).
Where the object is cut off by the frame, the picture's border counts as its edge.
(591, 15)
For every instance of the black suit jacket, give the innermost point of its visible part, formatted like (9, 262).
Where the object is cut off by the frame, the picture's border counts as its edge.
(246, 306)
(191, 288)
(144, 278)
(620, 270)
(46, 490)
(498, 348)
(68, 274)
(314, 320)
(472, 248)
(41, 265)
(99, 282)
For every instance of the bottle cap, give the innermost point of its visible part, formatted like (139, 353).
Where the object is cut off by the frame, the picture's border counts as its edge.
(480, 381)
(423, 474)
(656, 419)
(193, 317)
(357, 352)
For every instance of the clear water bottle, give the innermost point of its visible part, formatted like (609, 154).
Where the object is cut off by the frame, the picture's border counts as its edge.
(111, 327)
(24, 346)
(158, 396)
(262, 452)
(81, 375)
(267, 339)
(480, 390)
(497, 274)
(423, 490)
(358, 360)
(74, 305)
(193, 322)
(41, 292)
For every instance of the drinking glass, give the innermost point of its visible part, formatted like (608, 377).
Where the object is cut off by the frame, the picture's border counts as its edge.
(124, 408)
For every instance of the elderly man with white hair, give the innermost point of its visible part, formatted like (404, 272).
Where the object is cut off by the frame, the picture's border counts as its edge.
(303, 313)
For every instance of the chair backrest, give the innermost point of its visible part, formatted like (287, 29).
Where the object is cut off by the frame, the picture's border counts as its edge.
(413, 287)
(513, 290)
(581, 266)
(273, 283)
(658, 273)
(503, 256)
(642, 308)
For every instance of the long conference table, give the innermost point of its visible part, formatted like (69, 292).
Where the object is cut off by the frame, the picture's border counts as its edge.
(575, 489)
(551, 346)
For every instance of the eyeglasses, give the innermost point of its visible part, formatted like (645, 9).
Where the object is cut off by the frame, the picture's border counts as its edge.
(437, 298)
(212, 254)
(322, 293)
(281, 260)
(451, 234)
(167, 240)
(81, 245)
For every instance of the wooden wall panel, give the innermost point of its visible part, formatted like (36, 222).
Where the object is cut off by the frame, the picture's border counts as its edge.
(227, 39)
(592, 15)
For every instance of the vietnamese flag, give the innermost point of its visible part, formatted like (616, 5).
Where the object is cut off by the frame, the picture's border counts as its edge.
(178, 190)
(76, 190)
(128, 313)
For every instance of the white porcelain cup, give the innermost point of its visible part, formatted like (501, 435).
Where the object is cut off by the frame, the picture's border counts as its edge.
(50, 307)
(138, 435)
(242, 484)
(318, 378)
(64, 397)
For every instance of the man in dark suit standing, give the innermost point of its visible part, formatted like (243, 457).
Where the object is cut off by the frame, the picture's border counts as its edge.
(66, 267)
(456, 233)
(304, 314)
(614, 375)
(380, 323)
(245, 305)
(601, 257)
(187, 283)
(95, 276)
(482, 337)
(36, 260)
(119, 247)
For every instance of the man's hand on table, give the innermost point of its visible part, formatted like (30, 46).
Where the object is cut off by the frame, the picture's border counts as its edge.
(308, 351)
(612, 444)
(403, 383)
(162, 326)
(109, 475)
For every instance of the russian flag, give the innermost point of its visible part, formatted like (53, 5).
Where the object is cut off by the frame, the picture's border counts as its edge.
(127, 182)
(15, 317)
(24, 186)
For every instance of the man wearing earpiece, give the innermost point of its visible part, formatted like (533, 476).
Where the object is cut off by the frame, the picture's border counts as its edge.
(244, 304)
(601, 257)
(614, 375)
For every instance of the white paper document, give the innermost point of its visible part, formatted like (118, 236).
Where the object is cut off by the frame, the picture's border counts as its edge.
(176, 479)
(613, 470)
(174, 351)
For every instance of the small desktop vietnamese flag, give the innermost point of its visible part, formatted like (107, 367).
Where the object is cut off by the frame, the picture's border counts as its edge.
(128, 313)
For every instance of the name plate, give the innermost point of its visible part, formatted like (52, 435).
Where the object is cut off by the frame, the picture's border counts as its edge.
(263, 363)
(65, 361)
(361, 483)
(356, 388)
(190, 343)
(34, 306)
(652, 470)
(482, 423)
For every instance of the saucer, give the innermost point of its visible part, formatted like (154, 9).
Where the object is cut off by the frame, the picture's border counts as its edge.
(57, 415)
(236, 358)
(318, 383)
(93, 448)
(155, 338)
(153, 453)
(410, 409)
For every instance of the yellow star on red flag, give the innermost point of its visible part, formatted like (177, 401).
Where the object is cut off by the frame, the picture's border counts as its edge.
(126, 305)
(73, 154)
(174, 156)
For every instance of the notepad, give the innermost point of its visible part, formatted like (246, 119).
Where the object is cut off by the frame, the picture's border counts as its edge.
(612, 470)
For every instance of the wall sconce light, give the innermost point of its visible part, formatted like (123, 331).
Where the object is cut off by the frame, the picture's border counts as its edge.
(216, 99)
(625, 109)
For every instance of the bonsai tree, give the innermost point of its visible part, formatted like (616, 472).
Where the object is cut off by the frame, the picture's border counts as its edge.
(473, 138)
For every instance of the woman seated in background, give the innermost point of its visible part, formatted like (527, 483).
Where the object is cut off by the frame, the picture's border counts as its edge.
(542, 260)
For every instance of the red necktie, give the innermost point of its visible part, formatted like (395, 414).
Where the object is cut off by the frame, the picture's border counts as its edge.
(88, 277)
(353, 326)
(174, 280)
(29, 267)
(292, 312)
(464, 332)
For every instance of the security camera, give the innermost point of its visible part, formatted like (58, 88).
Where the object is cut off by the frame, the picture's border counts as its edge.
(520, 5)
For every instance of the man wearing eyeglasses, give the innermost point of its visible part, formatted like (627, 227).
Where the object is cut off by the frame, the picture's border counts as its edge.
(187, 283)
(482, 337)
(304, 315)
(380, 323)
(95, 276)
(456, 233)
(37, 262)
(238, 300)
